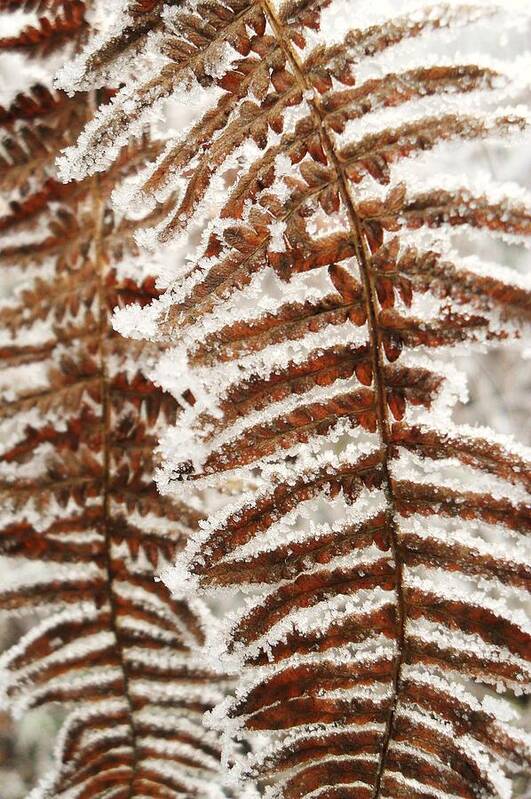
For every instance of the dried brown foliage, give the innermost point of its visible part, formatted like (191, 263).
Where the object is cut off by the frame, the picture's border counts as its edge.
(83, 528)
(383, 546)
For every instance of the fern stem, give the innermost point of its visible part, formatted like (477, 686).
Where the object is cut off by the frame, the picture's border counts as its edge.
(98, 212)
(362, 256)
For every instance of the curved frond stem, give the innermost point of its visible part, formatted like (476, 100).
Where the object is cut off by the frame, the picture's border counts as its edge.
(363, 257)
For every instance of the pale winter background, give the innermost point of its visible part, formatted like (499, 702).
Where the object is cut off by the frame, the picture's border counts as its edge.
(499, 386)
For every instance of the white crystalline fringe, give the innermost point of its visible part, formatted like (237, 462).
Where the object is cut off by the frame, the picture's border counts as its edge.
(259, 298)
(258, 365)
(489, 540)
(451, 473)
(302, 523)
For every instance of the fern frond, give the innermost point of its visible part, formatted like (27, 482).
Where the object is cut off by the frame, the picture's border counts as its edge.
(383, 547)
(83, 528)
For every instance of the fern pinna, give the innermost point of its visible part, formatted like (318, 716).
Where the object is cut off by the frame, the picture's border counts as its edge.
(84, 530)
(381, 547)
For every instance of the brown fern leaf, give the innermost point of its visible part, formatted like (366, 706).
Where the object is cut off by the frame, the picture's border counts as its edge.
(50, 33)
(36, 126)
(83, 526)
(383, 546)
